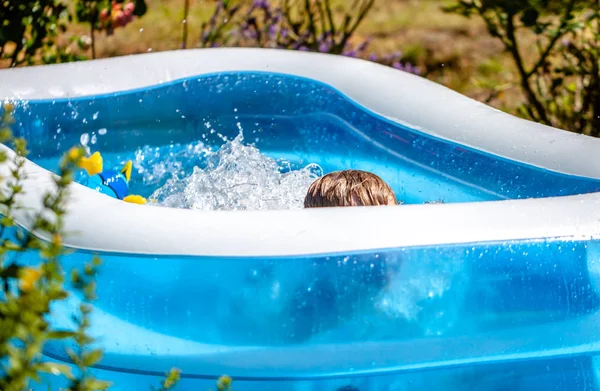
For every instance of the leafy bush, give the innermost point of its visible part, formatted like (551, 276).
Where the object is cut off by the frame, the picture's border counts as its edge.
(29, 29)
(307, 25)
(107, 15)
(28, 293)
(560, 84)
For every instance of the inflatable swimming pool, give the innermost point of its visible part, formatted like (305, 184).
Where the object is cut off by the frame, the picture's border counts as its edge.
(496, 288)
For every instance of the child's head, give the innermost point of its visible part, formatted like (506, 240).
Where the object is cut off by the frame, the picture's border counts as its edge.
(349, 188)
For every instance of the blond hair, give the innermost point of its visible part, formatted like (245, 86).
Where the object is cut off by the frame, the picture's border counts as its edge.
(349, 188)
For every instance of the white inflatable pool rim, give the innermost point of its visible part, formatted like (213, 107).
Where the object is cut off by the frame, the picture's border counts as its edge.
(398, 96)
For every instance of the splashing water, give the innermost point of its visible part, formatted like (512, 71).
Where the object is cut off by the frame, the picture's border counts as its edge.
(157, 165)
(235, 177)
(427, 288)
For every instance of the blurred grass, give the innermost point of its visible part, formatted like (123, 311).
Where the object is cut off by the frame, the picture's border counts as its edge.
(455, 51)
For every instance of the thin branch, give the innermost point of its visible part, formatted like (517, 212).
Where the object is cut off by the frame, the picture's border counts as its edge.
(294, 32)
(93, 38)
(554, 39)
(327, 6)
(186, 12)
(361, 15)
(513, 48)
(323, 18)
(311, 21)
(14, 59)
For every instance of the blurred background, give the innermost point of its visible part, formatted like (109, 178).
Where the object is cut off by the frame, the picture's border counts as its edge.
(538, 59)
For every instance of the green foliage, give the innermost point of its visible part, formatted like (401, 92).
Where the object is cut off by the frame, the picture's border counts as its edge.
(290, 24)
(560, 85)
(170, 380)
(224, 383)
(305, 25)
(28, 27)
(27, 293)
(107, 15)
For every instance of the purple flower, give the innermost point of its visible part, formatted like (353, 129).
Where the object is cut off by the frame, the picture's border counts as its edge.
(283, 33)
(407, 67)
(303, 49)
(324, 47)
(273, 31)
(350, 53)
(264, 4)
(413, 69)
(373, 57)
(398, 65)
(248, 33)
(363, 46)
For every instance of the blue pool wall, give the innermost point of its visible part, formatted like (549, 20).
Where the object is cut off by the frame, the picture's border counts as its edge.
(515, 291)
(288, 116)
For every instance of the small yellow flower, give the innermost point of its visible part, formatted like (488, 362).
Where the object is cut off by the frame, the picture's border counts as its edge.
(29, 276)
(224, 383)
(56, 239)
(74, 154)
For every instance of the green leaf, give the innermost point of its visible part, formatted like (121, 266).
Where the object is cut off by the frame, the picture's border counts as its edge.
(57, 369)
(60, 334)
(72, 355)
(91, 358)
(140, 8)
(97, 385)
(530, 17)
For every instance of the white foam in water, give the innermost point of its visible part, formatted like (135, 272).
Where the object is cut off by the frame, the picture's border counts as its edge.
(235, 177)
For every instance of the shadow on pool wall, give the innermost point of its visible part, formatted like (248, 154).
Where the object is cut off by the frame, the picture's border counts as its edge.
(292, 117)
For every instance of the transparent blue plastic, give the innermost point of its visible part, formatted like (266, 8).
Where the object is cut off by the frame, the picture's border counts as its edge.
(496, 316)
(520, 315)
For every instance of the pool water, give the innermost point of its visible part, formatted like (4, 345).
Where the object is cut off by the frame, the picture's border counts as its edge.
(285, 117)
(521, 315)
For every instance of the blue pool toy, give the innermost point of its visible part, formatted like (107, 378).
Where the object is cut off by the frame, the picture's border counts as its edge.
(113, 183)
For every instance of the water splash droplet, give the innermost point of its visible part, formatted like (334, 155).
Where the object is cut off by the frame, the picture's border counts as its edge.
(235, 177)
